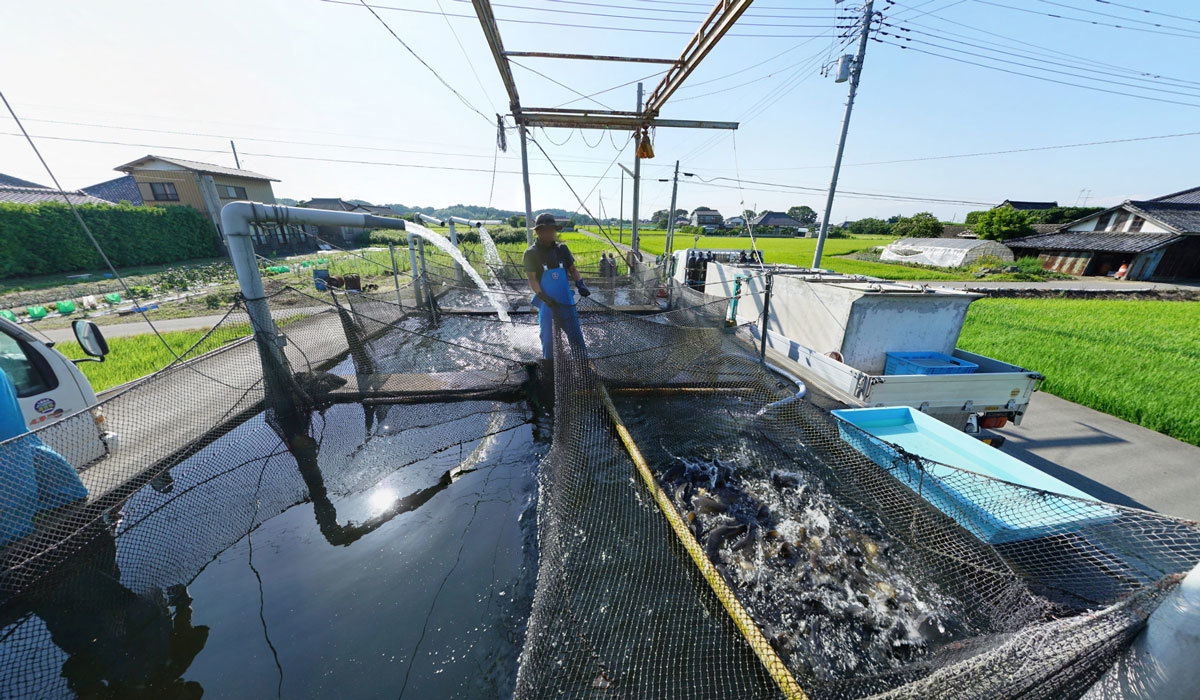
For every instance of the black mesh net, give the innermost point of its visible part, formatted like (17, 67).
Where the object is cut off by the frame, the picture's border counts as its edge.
(702, 530)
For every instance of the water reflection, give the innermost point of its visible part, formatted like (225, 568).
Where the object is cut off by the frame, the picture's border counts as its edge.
(119, 644)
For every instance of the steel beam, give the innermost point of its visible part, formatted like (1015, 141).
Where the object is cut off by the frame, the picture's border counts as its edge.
(492, 33)
(609, 120)
(718, 22)
(588, 57)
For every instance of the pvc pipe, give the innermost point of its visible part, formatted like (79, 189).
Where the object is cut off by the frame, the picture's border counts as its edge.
(1161, 663)
(475, 223)
(431, 219)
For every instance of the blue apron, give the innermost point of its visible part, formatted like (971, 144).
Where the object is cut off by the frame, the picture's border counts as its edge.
(556, 285)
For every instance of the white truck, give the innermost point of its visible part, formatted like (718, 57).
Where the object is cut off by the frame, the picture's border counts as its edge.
(835, 331)
(50, 387)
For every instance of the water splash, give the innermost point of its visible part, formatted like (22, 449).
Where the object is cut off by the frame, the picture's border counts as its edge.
(443, 244)
(491, 255)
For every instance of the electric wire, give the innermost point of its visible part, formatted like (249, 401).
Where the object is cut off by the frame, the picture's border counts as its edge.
(1087, 21)
(1035, 77)
(567, 24)
(599, 226)
(1108, 81)
(702, 13)
(562, 85)
(465, 54)
(422, 61)
(1120, 17)
(1152, 12)
(582, 13)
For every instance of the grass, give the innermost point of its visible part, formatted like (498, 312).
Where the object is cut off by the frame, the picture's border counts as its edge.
(135, 356)
(1136, 360)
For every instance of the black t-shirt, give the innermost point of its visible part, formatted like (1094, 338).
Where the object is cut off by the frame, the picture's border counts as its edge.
(551, 256)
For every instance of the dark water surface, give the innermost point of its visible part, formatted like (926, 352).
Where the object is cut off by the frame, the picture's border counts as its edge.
(391, 551)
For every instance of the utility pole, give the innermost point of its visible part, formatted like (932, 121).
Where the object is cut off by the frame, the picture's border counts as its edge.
(236, 162)
(855, 72)
(671, 213)
(528, 195)
(637, 179)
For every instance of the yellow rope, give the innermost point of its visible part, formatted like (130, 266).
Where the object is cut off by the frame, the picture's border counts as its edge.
(775, 666)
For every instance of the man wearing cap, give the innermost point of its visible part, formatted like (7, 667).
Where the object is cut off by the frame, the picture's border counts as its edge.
(550, 268)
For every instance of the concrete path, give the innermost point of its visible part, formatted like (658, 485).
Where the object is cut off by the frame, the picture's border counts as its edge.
(117, 330)
(1089, 285)
(1106, 457)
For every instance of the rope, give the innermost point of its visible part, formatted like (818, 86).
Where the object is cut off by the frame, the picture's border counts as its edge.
(754, 637)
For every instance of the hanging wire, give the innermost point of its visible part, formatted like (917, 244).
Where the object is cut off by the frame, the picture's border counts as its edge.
(599, 226)
(570, 133)
(737, 172)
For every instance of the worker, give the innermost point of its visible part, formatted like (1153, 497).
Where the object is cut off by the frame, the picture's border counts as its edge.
(550, 268)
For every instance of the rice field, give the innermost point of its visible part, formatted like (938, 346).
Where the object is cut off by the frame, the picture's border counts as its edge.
(135, 356)
(1136, 360)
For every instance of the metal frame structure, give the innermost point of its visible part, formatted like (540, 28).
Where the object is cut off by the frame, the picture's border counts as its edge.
(719, 21)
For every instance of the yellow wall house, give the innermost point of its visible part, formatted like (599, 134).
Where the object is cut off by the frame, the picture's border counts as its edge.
(207, 187)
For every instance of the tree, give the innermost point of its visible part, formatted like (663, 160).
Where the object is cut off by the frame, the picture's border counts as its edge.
(1002, 224)
(660, 217)
(870, 227)
(919, 225)
(804, 214)
(516, 221)
(748, 214)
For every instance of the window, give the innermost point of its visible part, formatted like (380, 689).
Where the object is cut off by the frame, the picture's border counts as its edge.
(1136, 224)
(231, 192)
(1102, 222)
(164, 192)
(1118, 223)
(24, 367)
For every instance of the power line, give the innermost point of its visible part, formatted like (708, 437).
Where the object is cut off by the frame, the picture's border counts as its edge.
(348, 161)
(1038, 49)
(565, 24)
(415, 55)
(562, 85)
(1190, 93)
(582, 13)
(749, 13)
(1151, 12)
(1036, 77)
(1008, 151)
(1120, 17)
(1086, 21)
(465, 54)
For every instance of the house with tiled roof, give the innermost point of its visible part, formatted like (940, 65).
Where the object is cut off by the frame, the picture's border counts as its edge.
(777, 221)
(1023, 205)
(37, 195)
(10, 181)
(1155, 239)
(117, 190)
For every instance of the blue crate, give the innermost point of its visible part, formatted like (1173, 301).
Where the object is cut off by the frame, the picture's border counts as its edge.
(926, 363)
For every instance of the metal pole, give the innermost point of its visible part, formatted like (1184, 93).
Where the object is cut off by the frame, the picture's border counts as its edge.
(413, 270)
(637, 179)
(837, 161)
(671, 215)
(528, 194)
(458, 271)
(621, 212)
(395, 273)
(762, 352)
(236, 162)
(425, 280)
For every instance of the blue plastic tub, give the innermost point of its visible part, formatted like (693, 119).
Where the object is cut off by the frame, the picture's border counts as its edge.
(992, 511)
(926, 363)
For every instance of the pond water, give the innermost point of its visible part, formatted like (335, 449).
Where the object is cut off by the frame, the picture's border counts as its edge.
(386, 551)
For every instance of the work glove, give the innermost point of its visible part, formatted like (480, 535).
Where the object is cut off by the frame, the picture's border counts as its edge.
(583, 289)
(547, 300)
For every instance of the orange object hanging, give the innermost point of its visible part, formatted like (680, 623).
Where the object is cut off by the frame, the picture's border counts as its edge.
(645, 149)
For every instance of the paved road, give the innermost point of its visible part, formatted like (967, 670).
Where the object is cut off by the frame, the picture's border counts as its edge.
(117, 330)
(1089, 285)
(1107, 457)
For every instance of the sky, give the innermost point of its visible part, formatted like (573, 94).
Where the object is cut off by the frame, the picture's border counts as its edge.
(320, 95)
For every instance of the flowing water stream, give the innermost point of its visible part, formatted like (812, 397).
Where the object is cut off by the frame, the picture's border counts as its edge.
(443, 244)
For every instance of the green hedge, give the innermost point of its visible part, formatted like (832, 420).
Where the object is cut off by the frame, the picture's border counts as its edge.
(42, 239)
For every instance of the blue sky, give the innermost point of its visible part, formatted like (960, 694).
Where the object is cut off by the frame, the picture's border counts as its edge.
(303, 85)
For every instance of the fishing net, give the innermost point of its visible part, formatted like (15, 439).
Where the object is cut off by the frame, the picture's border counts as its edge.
(844, 566)
(703, 531)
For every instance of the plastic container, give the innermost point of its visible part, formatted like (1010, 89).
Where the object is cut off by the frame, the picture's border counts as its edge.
(5, 313)
(993, 511)
(319, 277)
(36, 312)
(65, 307)
(113, 298)
(926, 363)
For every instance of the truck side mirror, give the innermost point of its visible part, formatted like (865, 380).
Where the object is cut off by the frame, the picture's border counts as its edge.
(90, 339)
